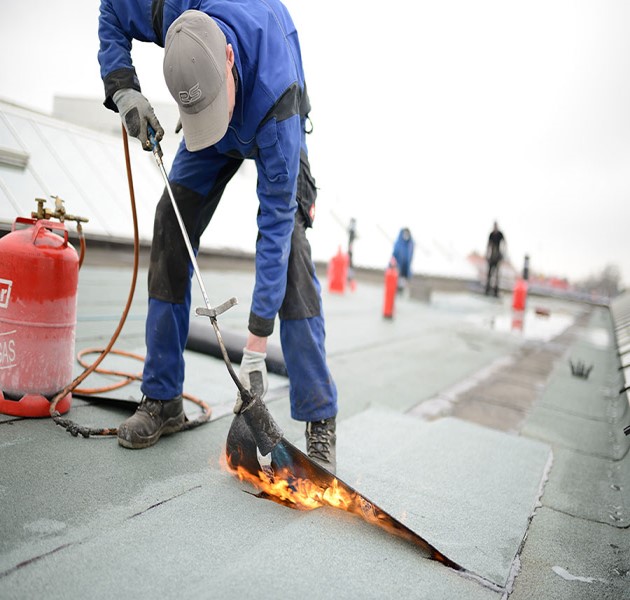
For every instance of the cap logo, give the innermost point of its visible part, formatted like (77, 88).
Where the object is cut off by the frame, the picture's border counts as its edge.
(190, 96)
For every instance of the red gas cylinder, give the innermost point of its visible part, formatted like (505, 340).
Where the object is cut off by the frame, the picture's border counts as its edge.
(391, 287)
(39, 275)
(519, 294)
(338, 272)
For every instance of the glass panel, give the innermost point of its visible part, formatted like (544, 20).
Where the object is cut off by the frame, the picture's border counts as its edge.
(87, 170)
(7, 139)
(19, 189)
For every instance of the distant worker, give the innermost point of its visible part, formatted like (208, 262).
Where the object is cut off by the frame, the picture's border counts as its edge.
(526, 267)
(352, 235)
(403, 253)
(495, 251)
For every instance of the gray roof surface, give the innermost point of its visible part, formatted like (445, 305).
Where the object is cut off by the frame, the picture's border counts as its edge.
(473, 434)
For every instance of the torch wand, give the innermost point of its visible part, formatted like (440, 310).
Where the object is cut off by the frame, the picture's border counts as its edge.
(263, 427)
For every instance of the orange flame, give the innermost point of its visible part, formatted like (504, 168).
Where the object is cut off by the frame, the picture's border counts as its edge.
(301, 494)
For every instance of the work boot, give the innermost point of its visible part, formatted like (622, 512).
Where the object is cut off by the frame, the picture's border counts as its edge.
(152, 419)
(321, 443)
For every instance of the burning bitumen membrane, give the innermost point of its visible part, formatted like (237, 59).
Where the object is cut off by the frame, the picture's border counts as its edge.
(293, 480)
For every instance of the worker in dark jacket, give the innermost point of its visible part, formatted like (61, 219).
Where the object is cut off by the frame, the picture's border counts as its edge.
(495, 251)
(234, 68)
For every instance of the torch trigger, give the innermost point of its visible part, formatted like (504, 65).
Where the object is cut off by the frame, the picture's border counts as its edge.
(213, 313)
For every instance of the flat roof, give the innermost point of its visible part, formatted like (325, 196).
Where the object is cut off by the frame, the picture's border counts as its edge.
(464, 426)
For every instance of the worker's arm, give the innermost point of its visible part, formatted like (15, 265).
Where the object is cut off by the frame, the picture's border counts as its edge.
(278, 164)
(119, 24)
(253, 370)
(115, 34)
(256, 343)
(138, 115)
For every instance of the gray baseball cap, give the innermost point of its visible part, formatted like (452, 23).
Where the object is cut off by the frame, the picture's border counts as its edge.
(195, 74)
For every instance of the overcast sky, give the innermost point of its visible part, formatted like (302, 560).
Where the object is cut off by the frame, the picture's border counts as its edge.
(438, 115)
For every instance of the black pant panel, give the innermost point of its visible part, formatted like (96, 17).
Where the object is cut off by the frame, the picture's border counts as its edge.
(169, 273)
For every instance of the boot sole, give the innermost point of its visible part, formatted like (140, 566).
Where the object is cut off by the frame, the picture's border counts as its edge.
(139, 443)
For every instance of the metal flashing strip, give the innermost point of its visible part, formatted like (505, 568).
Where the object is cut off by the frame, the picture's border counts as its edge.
(13, 158)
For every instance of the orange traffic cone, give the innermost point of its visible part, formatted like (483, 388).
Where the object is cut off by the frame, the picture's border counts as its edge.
(338, 272)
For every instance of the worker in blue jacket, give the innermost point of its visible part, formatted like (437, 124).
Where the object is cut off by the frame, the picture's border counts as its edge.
(234, 68)
(403, 253)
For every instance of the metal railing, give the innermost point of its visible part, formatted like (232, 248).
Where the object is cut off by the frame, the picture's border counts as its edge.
(620, 313)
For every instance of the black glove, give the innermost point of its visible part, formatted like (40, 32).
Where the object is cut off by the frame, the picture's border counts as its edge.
(136, 114)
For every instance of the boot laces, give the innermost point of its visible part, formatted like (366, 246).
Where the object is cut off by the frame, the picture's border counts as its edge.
(151, 407)
(319, 438)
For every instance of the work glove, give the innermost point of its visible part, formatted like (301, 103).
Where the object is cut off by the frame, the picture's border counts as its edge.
(253, 375)
(136, 114)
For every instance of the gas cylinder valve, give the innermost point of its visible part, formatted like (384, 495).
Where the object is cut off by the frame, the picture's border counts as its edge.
(59, 212)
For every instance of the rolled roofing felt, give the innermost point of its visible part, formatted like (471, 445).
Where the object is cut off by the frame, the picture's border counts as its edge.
(200, 339)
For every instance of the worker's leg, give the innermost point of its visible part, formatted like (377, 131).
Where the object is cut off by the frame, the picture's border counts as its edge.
(302, 332)
(490, 279)
(313, 393)
(197, 182)
(496, 279)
